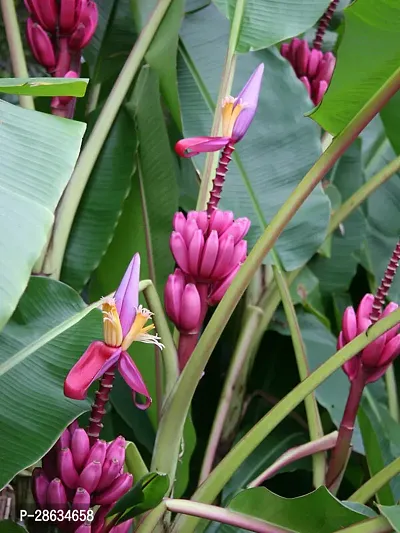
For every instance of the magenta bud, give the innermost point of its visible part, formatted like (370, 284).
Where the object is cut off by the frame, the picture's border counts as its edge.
(64, 440)
(326, 68)
(220, 288)
(313, 62)
(293, 46)
(364, 309)
(97, 452)
(116, 490)
(90, 476)
(302, 57)
(179, 251)
(349, 325)
(189, 230)
(90, 18)
(81, 501)
(76, 39)
(201, 219)
(80, 447)
(40, 484)
(173, 295)
(221, 221)
(56, 495)
(393, 331)
(285, 49)
(238, 229)
(306, 83)
(179, 222)
(190, 315)
(73, 426)
(70, 11)
(195, 252)
(45, 12)
(209, 256)
(114, 449)
(223, 263)
(239, 254)
(391, 351)
(340, 342)
(67, 469)
(122, 528)
(371, 354)
(111, 470)
(319, 91)
(41, 45)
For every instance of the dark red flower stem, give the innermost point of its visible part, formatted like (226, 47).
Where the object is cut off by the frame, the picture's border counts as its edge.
(323, 24)
(186, 346)
(98, 408)
(340, 452)
(219, 180)
(387, 280)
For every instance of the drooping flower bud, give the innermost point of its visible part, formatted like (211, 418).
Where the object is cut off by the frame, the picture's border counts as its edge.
(56, 495)
(375, 358)
(40, 484)
(118, 488)
(313, 68)
(41, 45)
(183, 304)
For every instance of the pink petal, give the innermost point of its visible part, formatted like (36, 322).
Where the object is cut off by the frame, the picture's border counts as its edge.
(127, 295)
(197, 145)
(349, 325)
(173, 294)
(224, 258)
(371, 354)
(96, 360)
(313, 62)
(179, 222)
(210, 253)
(179, 251)
(133, 378)
(220, 220)
(319, 89)
(195, 251)
(391, 351)
(191, 309)
(285, 49)
(302, 57)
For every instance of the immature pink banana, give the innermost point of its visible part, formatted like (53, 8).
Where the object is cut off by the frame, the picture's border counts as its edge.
(70, 12)
(41, 45)
(45, 12)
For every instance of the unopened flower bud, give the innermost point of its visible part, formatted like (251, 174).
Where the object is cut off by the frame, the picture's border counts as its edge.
(90, 476)
(56, 495)
(182, 302)
(111, 470)
(70, 11)
(81, 501)
(40, 484)
(41, 45)
(80, 447)
(67, 469)
(116, 490)
(44, 12)
(86, 27)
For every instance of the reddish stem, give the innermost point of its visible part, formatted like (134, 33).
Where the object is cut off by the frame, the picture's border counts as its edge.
(219, 180)
(98, 408)
(187, 343)
(339, 455)
(323, 24)
(387, 280)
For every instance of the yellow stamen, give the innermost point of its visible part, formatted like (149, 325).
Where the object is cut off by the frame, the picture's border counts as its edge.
(111, 324)
(137, 329)
(230, 113)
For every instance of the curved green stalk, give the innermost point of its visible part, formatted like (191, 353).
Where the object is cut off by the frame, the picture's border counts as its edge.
(373, 525)
(224, 89)
(391, 389)
(221, 474)
(69, 202)
(166, 450)
(379, 480)
(312, 411)
(17, 53)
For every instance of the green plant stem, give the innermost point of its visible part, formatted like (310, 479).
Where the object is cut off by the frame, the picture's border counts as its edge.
(313, 417)
(69, 202)
(340, 453)
(169, 435)
(224, 89)
(169, 355)
(391, 389)
(17, 53)
(375, 483)
(152, 520)
(362, 194)
(323, 444)
(225, 516)
(252, 320)
(373, 525)
(221, 474)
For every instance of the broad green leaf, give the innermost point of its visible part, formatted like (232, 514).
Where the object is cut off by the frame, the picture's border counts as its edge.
(336, 272)
(38, 153)
(392, 513)
(266, 22)
(134, 463)
(390, 116)
(374, 455)
(161, 54)
(368, 55)
(44, 86)
(46, 335)
(279, 148)
(6, 526)
(102, 202)
(317, 512)
(146, 494)
(283, 438)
